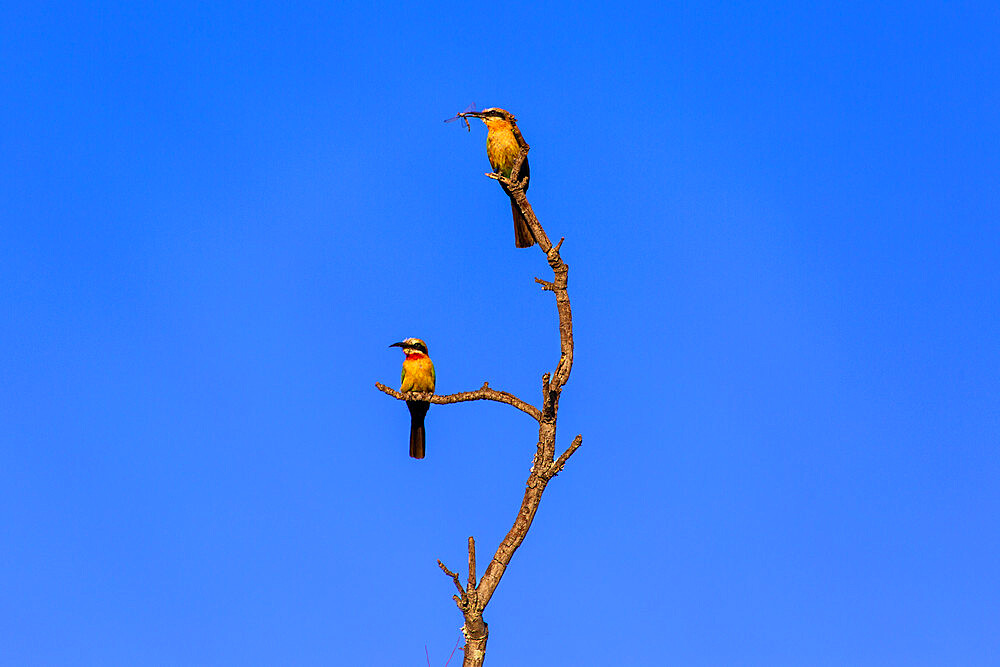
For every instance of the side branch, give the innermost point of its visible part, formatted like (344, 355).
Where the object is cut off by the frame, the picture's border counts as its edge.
(557, 466)
(484, 393)
(453, 575)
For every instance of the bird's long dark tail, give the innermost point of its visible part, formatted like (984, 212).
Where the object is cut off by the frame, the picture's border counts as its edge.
(418, 410)
(523, 238)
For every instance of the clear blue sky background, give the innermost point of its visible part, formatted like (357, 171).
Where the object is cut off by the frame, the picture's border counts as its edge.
(782, 228)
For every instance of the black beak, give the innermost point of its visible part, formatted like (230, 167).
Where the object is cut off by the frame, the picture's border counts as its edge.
(399, 344)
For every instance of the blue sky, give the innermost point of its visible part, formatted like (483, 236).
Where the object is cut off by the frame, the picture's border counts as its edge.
(781, 226)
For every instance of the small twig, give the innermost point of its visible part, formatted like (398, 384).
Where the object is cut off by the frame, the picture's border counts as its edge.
(484, 393)
(557, 467)
(428, 656)
(546, 285)
(454, 577)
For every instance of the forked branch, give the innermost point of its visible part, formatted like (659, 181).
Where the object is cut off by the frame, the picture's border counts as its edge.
(472, 600)
(544, 466)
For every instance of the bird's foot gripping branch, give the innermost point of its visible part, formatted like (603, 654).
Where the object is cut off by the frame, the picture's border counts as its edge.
(508, 156)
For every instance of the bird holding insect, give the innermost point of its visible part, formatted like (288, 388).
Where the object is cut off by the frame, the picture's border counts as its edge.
(502, 149)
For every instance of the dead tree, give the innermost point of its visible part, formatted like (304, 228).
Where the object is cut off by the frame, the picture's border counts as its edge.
(473, 597)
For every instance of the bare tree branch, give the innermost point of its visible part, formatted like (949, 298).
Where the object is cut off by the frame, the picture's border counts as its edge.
(472, 564)
(557, 467)
(453, 575)
(484, 393)
(543, 467)
(473, 600)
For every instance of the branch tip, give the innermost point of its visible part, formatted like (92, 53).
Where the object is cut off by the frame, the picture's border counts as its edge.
(453, 575)
(546, 285)
(472, 564)
(559, 463)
